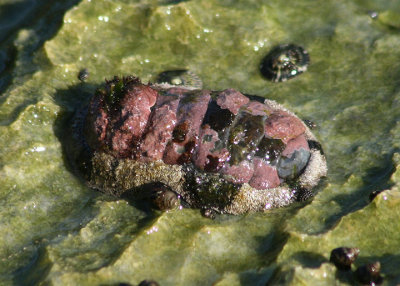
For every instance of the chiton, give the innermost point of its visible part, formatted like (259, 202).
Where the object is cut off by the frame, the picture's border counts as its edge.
(217, 150)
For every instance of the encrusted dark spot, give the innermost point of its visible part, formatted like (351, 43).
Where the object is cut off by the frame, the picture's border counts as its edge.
(310, 124)
(207, 138)
(114, 93)
(284, 62)
(83, 74)
(209, 190)
(213, 165)
(316, 146)
(187, 154)
(208, 213)
(343, 257)
(244, 136)
(217, 118)
(115, 90)
(270, 149)
(180, 132)
(303, 194)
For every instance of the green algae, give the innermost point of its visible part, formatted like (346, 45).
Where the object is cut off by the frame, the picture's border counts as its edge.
(54, 230)
(390, 19)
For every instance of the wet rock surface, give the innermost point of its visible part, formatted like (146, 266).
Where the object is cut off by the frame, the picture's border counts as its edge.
(250, 155)
(56, 231)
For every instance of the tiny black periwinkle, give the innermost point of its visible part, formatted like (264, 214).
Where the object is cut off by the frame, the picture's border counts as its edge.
(284, 62)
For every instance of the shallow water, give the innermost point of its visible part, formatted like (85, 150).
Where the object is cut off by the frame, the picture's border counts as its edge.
(54, 230)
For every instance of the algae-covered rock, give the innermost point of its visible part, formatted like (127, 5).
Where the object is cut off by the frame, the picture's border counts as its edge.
(390, 18)
(55, 230)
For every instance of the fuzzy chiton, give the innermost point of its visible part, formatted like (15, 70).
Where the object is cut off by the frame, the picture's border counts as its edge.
(217, 150)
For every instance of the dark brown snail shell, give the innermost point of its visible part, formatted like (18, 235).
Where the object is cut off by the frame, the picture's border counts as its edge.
(343, 257)
(284, 62)
(180, 77)
(369, 274)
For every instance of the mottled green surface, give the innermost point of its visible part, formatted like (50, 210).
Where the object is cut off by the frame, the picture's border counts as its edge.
(53, 230)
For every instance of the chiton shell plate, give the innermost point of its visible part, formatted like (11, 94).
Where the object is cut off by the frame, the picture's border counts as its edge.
(219, 150)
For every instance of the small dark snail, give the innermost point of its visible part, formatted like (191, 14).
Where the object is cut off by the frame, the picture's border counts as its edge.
(165, 199)
(83, 74)
(208, 213)
(179, 78)
(343, 257)
(369, 274)
(284, 62)
(310, 124)
(373, 14)
(148, 283)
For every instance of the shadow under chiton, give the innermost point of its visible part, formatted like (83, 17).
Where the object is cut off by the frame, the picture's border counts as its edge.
(217, 150)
